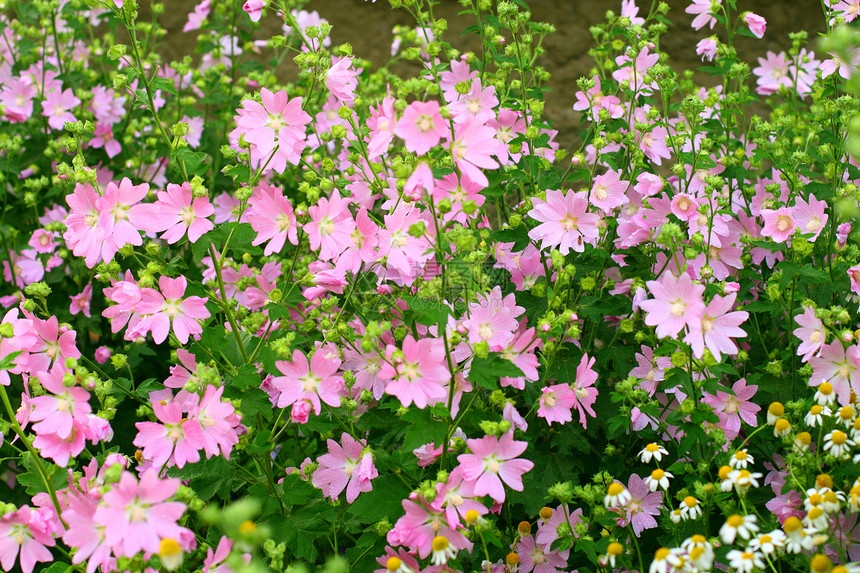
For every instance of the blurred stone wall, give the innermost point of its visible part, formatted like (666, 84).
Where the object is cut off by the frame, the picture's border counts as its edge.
(367, 26)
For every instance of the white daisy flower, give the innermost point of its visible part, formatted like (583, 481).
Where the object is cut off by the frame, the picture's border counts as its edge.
(738, 525)
(616, 496)
(652, 450)
(741, 459)
(658, 479)
(691, 508)
(815, 417)
(825, 394)
(768, 543)
(838, 444)
(745, 561)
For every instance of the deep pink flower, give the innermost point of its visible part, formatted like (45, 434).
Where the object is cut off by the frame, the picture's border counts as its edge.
(348, 467)
(565, 223)
(495, 460)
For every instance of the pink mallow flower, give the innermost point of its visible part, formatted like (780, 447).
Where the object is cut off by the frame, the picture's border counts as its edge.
(840, 367)
(421, 126)
(704, 11)
(811, 333)
(731, 409)
(717, 327)
(677, 303)
(57, 106)
(177, 212)
(608, 191)
(167, 309)
(564, 222)
(555, 403)
(756, 24)
(472, 148)
(26, 532)
(639, 512)
(254, 9)
(539, 557)
(136, 516)
(272, 217)
(779, 224)
(340, 79)
(174, 439)
(275, 129)
(348, 467)
(494, 460)
(418, 373)
(584, 390)
(309, 382)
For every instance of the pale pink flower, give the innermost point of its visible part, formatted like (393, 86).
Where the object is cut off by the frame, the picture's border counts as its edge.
(854, 277)
(331, 226)
(495, 460)
(608, 191)
(381, 123)
(733, 408)
(584, 390)
(167, 309)
(716, 328)
(418, 373)
(103, 138)
(639, 512)
(348, 467)
(707, 48)
(340, 79)
(650, 370)
(704, 11)
(173, 440)
(275, 128)
(756, 24)
(420, 525)
(137, 516)
(565, 223)
(254, 9)
(677, 303)
(177, 212)
(28, 533)
(198, 16)
(840, 367)
(57, 106)
(556, 402)
(309, 381)
(85, 232)
(811, 216)
(811, 333)
(272, 217)
(472, 148)
(421, 126)
(218, 422)
(477, 104)
(539, 557)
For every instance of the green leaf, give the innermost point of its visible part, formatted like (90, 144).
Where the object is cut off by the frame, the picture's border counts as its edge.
(485, 372)
(240, 236)
(381, 502)
(254, 401)
(246, 377)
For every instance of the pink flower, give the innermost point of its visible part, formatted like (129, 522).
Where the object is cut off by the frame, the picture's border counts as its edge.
(382, 123)
(642, 508)
(56, 107)
(312, 382)
(102, 354)
(137, 516)
(331, 226)
(218, 422)
(583, 388)
(84, 232)
(477, 104)
(608, 191)
(472, 149)
(196, 18)
(779, 224)
(731, 409)
(420, 525)
(272, 217)
(565, 223)
(811, 216)
(418, 373)
(677, 303)
(168, 309)
(177, 212)
(716, 328)
(340, 79)
(421, 126)
(494, 460)
(756, 24)
(103, 138)
(811, 333)
(704, 10)
(348, 467)
(173, 440)
(854, 277)
(839, 367)
(275, 129)
(707, 48)
(556, 402)
(254, 9)
(538, 557)
(650, 370)
(27, 532)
